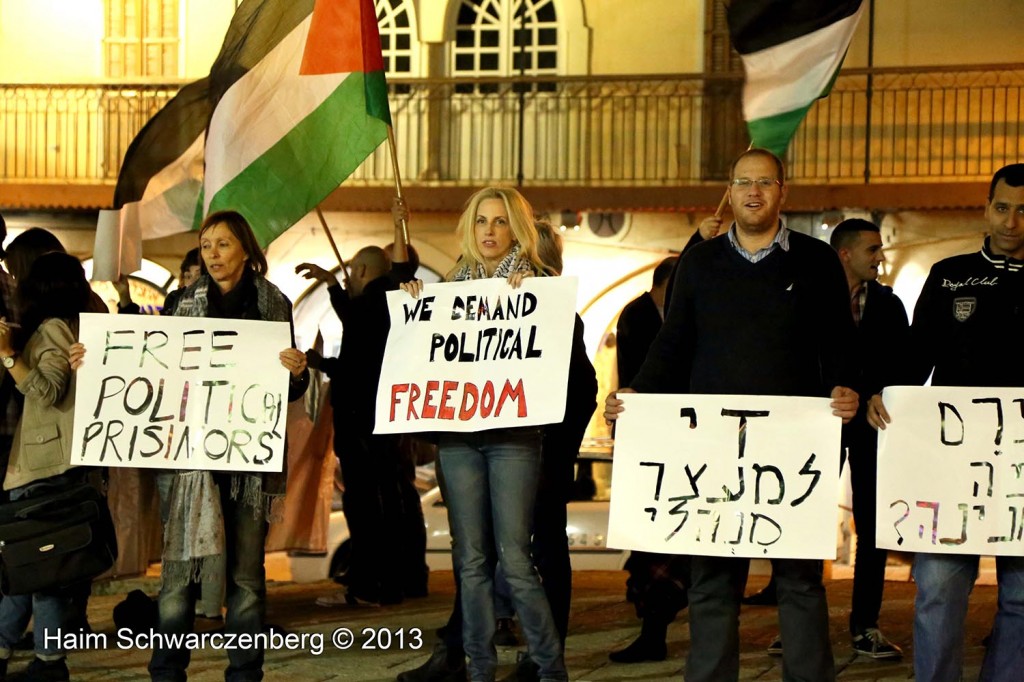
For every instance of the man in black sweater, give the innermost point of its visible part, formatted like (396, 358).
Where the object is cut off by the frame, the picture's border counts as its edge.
(969, 307)
(881, 345)
(763, 311)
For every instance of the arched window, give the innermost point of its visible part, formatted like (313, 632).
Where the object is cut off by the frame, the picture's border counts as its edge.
(397, 37)
(505, 38)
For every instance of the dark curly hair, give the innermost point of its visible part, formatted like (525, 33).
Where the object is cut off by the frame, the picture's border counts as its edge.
(54, 287)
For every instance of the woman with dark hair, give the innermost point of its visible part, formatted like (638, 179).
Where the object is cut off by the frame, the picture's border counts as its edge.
(226, 513)
(24, 249)
(233, 286)
(51, 295)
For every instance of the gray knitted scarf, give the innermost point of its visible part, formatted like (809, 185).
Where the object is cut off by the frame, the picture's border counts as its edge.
(194, 533)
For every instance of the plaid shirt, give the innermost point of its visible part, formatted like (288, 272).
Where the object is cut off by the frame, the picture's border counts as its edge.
(858, 299)
(11, 411)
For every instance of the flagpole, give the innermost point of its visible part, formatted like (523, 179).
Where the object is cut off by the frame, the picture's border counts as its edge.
(334, 246)
(398, 178)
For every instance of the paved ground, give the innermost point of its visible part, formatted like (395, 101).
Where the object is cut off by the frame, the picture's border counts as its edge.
(601, 622)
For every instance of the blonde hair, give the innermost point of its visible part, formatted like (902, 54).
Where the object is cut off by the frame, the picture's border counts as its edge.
(549, 247)
(520, 218)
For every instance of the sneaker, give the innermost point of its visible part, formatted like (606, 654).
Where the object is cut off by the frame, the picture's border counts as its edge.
(874, 644)
(640, 650)
(505, 633)
(42, 671)
(775, 648)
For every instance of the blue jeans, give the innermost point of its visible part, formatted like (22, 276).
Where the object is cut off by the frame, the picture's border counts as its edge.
(492, 483)
(944, 584)
(245, 535)
(52, 609)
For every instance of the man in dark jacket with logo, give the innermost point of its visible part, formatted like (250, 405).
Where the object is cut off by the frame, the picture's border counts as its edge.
(880, 352)
(970, 307)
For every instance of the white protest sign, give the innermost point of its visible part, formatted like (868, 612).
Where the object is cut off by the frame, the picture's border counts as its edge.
(725, 475)
(475, 355)
(181, 393)
(950, 471)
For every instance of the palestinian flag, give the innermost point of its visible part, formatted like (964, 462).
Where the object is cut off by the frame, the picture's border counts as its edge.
(162, 173)
(791, 51)
(294, 102)
(288, 131)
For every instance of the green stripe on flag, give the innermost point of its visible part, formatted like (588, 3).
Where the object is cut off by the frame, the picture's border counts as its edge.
(377, 96)
(307, 164)
(774, 132)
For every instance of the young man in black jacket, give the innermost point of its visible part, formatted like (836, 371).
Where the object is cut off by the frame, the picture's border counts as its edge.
(761, 311)
(971, 306)
(880, 348)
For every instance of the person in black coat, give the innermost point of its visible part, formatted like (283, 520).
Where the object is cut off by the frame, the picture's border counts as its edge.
(657, 583)
(882, 338)
(639, 323)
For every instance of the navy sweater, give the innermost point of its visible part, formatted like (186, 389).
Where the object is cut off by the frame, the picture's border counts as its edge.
(781, 326)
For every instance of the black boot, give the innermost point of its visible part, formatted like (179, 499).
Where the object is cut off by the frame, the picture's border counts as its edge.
(442, 666)
(525, 671)
(648, 646)
(42, 671)
(766, 597)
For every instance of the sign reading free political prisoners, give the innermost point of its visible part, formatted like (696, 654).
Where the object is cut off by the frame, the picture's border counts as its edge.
(951, 470)
(725, 475)
(181, 393)
(476, 355)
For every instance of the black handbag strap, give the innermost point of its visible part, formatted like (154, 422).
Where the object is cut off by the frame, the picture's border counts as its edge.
(82, 491)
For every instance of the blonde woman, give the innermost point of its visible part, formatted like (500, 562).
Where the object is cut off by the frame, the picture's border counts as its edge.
(492, 475)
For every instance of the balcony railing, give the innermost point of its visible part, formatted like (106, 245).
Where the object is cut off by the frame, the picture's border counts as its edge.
(881, 125)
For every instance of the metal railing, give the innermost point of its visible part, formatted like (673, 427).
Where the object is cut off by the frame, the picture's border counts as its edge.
(878, 125)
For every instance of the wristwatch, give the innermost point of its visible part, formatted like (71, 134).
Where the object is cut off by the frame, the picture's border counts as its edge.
(8, 361)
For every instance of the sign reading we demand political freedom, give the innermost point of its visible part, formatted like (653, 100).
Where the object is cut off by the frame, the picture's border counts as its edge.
(951, 471)
(726, 475)
(475, 355)
(181, 393)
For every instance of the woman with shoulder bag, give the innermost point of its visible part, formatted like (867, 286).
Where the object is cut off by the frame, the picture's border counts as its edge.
(50, 298)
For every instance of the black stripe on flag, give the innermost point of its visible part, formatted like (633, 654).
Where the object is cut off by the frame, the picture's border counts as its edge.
(255, 29)
(755, 25)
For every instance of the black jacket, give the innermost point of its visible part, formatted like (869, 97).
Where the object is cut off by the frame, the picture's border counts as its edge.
(880, 355)
(970, 307)
(638, 324)
(355, 373)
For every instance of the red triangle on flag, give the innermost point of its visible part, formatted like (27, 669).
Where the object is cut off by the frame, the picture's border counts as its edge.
(343, 38)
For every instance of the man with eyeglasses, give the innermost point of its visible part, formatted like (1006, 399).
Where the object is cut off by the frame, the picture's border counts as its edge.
(763, 311)
(971, 307)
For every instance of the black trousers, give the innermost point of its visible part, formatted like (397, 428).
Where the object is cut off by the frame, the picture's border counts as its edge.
(869, 571)
(375, 501)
